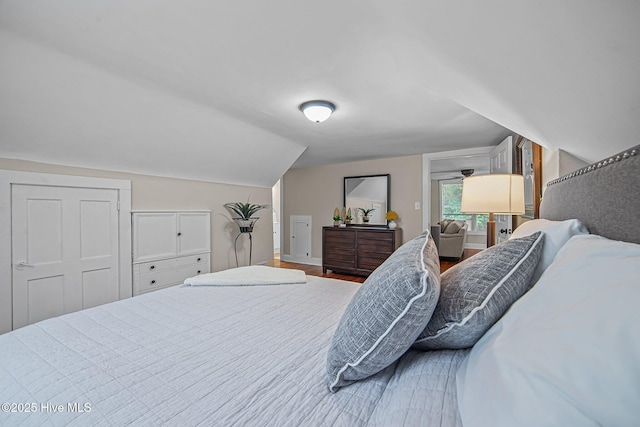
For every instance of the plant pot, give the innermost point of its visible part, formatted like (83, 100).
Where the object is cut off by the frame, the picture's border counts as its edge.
(392, 224)
(365, 219)
(245, 225)
(336, 223)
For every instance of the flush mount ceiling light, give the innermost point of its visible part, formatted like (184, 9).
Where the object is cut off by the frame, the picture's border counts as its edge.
(317, 111)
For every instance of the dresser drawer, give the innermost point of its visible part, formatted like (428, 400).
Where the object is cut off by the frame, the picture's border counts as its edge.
(339, 237)
(371, 261)
(164, 278)
(167, 264)
(375, 236)
(381, 246)
(152, 275)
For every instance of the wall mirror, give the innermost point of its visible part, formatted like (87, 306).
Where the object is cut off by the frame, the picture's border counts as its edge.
(367, 192)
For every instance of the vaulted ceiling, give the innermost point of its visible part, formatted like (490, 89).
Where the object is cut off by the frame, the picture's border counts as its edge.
(210, 90)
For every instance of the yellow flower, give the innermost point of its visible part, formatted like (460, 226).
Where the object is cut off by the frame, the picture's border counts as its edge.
(391, 216)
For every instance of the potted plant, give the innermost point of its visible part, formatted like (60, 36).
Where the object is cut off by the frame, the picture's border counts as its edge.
(336, 217)
(365, 213)
(348, 219)
(245, 211)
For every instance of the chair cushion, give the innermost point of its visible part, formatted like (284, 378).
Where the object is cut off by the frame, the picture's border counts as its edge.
(453, 227)
(444, 223)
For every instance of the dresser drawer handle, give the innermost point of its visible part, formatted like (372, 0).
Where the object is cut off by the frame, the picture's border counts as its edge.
(179, 234)
(153, 282)
(198, 271)
(199, 259)
(152, 267)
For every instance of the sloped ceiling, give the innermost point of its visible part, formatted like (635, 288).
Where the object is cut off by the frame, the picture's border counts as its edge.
(209, 90)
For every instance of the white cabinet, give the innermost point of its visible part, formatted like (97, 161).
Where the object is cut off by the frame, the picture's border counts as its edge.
(168, 247)
(166, 234)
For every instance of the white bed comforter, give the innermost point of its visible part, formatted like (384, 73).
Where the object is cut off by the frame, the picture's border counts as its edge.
(212, 356)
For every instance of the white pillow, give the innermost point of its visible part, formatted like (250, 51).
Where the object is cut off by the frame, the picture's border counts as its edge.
(567, 353)
(557, 233)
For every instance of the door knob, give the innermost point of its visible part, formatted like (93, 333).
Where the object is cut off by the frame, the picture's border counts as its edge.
(23, 264)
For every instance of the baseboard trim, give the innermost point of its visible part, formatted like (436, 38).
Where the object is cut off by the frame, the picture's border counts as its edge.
(307, 261)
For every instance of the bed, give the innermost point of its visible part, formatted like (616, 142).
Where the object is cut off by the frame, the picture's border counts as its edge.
(530, 349)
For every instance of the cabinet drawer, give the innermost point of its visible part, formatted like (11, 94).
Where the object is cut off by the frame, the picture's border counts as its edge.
(383, 246)
(149, 281)
(340, 258)
(349, 263)
(166, 264)
(371, 261)
(375, 236)
(339, 236)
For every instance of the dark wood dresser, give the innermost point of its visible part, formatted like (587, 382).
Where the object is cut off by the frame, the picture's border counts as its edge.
(357, 250)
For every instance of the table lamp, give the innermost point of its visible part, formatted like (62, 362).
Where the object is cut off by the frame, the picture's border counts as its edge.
(501, 194)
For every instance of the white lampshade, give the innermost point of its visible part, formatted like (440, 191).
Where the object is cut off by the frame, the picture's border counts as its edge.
(496, 193)
(317, 111)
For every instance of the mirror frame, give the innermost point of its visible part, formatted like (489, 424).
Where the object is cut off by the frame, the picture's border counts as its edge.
(344, 193)
(532, 172)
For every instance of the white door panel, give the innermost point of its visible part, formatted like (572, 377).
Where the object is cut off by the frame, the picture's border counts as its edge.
(501, 162)
(43, 220)
(195, 235)
(45, 298)
(97, 287)
(64, 250)
(150, 244)
(300, 244)
(95, 239)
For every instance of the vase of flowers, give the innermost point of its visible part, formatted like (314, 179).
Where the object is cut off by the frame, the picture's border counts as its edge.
(391, 217)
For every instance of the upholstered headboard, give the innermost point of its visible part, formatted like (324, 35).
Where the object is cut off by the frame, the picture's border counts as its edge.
(605, 196)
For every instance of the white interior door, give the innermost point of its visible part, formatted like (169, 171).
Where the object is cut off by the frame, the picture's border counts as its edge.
(64, 250)
(501, 161)
(300, 242)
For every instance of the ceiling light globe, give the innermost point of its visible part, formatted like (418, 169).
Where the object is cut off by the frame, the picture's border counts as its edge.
(317, 111)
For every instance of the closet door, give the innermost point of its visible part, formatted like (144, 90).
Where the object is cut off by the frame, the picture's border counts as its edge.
(64, 250)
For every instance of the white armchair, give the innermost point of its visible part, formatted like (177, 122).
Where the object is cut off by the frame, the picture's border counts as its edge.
(452, 239)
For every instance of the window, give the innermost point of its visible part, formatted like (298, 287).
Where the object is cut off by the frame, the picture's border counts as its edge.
(450, 200)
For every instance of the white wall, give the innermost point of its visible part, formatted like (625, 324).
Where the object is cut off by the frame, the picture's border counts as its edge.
(318, 190)
(556, 163)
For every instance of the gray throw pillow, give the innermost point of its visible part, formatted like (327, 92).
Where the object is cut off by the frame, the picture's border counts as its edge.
(478, 291)
(387, 313)
(444, 224)
(453, 227)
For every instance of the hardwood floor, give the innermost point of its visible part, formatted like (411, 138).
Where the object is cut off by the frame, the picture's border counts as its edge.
(446, 264)
(314, 270)
(317, 271)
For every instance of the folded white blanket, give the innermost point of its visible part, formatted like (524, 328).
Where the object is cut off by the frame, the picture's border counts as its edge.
(249, 276)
